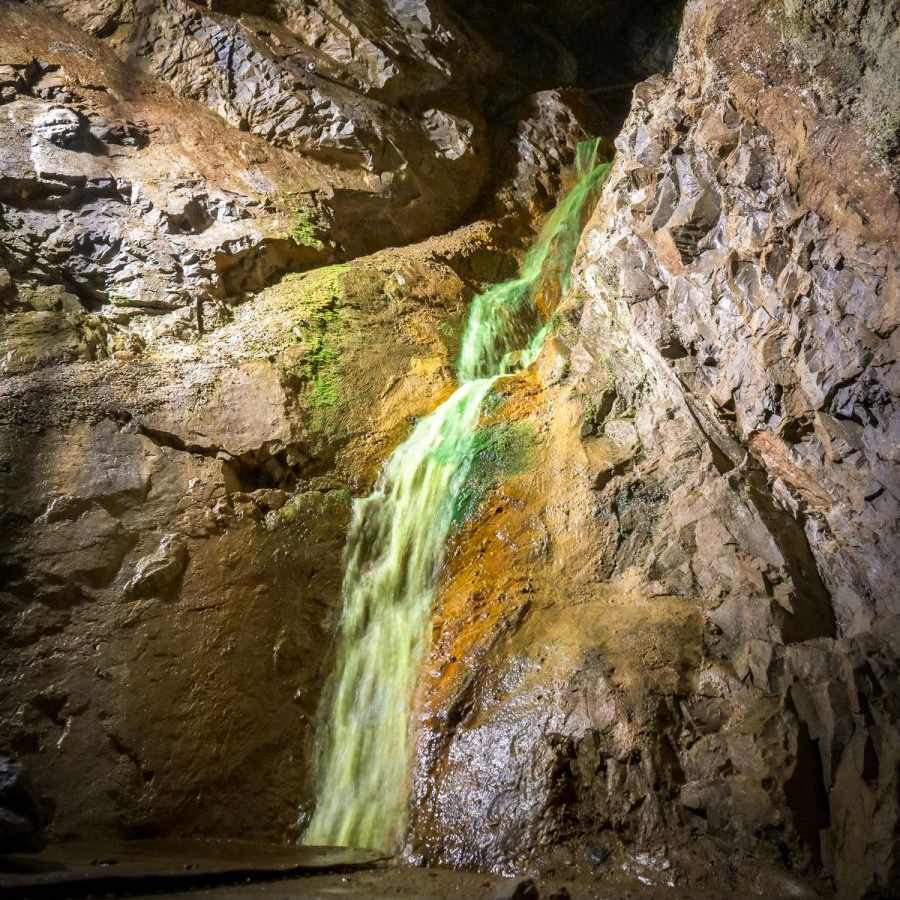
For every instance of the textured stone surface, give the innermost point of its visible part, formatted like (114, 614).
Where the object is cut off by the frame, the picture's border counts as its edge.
(124, 194)
(675, 636)
(358, 91)
(665, 652)
(173, 527)
(176, 465)
(110, 219)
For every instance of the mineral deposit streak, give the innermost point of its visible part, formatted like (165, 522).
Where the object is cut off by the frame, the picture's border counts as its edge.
(396, 544)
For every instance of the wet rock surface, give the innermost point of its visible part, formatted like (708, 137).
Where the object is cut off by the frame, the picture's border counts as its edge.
(670, 642)
(84, 869)
(665, 644)
(191, 392)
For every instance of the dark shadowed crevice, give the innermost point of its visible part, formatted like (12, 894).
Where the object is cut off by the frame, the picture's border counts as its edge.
(805, 791)
(265, 467)
(608, 46)
(813, 613)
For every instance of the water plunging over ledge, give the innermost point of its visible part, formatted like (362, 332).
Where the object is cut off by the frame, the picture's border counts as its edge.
(395, 548)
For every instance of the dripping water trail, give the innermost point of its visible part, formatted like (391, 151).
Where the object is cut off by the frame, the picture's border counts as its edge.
(395, 548)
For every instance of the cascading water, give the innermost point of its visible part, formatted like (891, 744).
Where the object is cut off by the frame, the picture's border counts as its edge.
(395, 548)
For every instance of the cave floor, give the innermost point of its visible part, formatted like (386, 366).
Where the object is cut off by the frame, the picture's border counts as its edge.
(236, 870)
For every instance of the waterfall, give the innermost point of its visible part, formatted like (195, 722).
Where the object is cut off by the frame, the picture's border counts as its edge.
(395, 548)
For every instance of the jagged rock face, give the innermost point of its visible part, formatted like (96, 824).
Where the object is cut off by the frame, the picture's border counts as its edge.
(675, 635)
(107, 206)
(668, 637)
(254, 73)
(769, 285)
(175, 497)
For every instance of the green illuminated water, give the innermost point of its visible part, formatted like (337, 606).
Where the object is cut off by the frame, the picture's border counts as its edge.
(396, 544)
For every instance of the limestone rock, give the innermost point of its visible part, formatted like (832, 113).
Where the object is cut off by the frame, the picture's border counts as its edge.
(141, 220)
(547, 127)
(316, 79)
(58, 125)
(680, 627)
(159, 573)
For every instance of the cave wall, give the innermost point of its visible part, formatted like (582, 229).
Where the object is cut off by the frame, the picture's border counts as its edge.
(669, 645)
(666, 644)
(192, 282)
(755, 241)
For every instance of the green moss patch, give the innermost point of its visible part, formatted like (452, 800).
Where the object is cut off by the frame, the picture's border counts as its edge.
(342, 495)
(320, 365)
(304, 230)
(323, 331)
(299, 222)
(301, 326)
(492, 455)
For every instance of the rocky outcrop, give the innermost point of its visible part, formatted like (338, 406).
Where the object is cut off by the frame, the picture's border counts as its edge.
(757, 266)
(173, 526)
(671, 640)
(189, 392)
(299, 140)
(108, 207)
(363, 90)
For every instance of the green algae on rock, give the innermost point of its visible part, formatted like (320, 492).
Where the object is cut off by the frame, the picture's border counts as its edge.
(494, 453)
